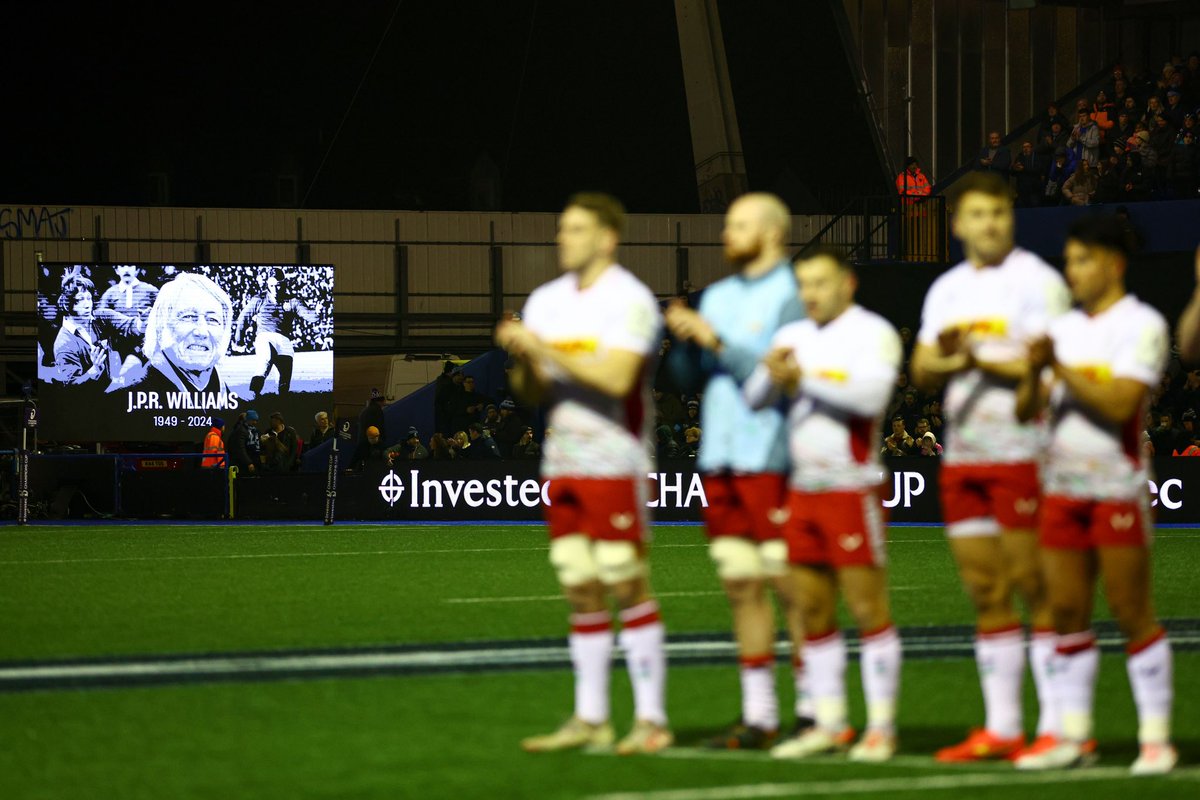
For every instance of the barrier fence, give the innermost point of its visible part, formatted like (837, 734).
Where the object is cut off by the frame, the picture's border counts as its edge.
(447, 491)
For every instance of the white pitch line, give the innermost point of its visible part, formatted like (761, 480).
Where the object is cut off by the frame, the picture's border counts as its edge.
(762, 756)
(881, 786)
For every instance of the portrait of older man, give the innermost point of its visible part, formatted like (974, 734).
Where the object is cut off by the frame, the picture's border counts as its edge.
(187, 334)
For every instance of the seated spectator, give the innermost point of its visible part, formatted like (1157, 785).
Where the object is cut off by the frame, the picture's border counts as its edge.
(668, 409)
(1125, 128)
(526, 448)
(900, 443)
(1174, 112)
(1135, 182)
(469, 405)
(1085, 138)
(1184, 166)
(1030, 169)
(691, 442)
(439, 449)
(214, 446)
(483, 446)
(460, 443)
(994, 157)
(1079, 188)
(665, 446)
(410, 449)
(911, 183)
(491, 417)
(280, 446)
(1188, 396)
(921, 428)
(929, 446)
(933, 412)
(1168, 437)
(1108, 182)
(1188, 422)
(909, 408)
(1130, 105)
(1061, 168)
(510, 427)
(692, 416)
(322, 429)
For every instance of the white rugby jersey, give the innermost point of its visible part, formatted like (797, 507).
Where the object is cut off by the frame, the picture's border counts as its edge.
(848, 370)
(596, 435)
(1088, 457)
(1000, 309)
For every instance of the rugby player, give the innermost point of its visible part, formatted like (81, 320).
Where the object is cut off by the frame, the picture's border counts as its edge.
(743, 455)
(975, 324)
(589, 340)
(1102, 362)
(838, 368)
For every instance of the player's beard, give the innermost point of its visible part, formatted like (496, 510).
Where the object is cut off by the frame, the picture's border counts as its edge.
(740, 257)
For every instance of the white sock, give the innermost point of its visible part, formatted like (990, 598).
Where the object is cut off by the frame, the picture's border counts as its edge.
(825, 658)
(1076, 662)
(760, 706)
(805, 708)
(1000, 656)
(1150, 668)
(643, 638)
(1041, 655)
(591, 645)
(880, 661)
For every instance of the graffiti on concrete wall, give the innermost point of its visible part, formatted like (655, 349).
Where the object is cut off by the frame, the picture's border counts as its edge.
(35, 223)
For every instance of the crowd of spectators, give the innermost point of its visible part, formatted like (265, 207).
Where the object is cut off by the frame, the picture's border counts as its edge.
(1133, 140)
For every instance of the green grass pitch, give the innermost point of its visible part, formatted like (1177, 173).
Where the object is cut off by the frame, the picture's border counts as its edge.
(87, 596)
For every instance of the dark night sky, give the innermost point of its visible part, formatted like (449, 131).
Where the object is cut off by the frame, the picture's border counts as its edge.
(222, 97)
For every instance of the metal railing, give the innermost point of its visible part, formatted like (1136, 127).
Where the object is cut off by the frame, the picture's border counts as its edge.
(892, 228)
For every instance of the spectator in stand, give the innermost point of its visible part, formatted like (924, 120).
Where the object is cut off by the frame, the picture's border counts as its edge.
(1135, 183)
(372, 416)
(1125, 128)
(1188, 396)
(1168, 437)
(1162, 142)
(410, 449)
(933, 411)
(911, 183)
(526, 448)
(1108, 187)
(509, 429)
(371, 450)
(491, 418)
(281, 446)
(1188, 421)
(447, 387)
(669, 410)
(994, 157)
(1175, 111)
(483, 446)
(322, 429)
(1080, 187)
(244, 447)
(1052, 144)
(1085, 138)
(1104, 114)
(460, 443)
(929, 446)
(1132, 108)
(921, 428)
(214, 446)
(909, 409)
(1154, 108)
(1030, 170)
(439, 449)
(692, 416)
(1183, 166)
(665, 446)
(691, 442)
(900, 443)
(1045, 126)
(1061, 168)
(469, 405)
(1120, 93)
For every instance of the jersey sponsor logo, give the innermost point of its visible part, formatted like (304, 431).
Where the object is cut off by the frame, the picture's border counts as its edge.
(1122, 521)
(778, 516)
(575, 345)
(834, 375)
(850, 541)
(622, 522)
(995, 328)
(1095, 373)
(1025, 506)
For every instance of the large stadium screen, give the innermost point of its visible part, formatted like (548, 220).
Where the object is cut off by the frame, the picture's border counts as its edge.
(154, 352)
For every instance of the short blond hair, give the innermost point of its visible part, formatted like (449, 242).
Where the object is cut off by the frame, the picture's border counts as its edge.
(772, 211)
